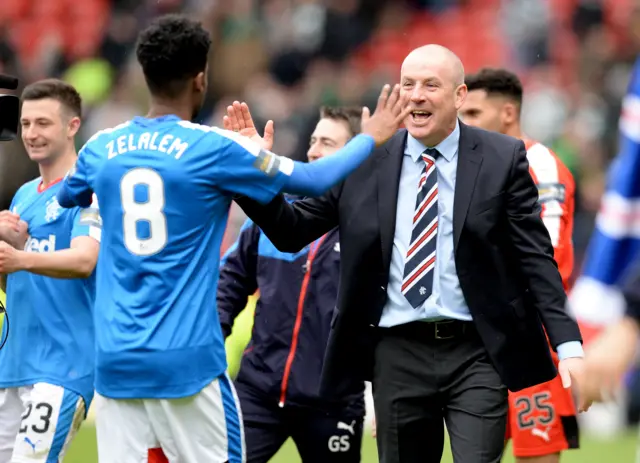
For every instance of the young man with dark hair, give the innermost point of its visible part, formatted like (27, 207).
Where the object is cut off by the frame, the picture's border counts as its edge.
(47, 256)
(165, 185)
(542, 420)
(280, 371)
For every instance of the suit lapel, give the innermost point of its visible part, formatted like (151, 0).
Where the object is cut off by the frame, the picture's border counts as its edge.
(469, 162)
(388, 168)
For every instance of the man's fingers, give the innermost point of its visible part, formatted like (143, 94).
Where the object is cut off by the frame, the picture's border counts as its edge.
(10, 224)
(402, 116)
(393, 98)
(565, 376)
(9, 217)
(586, 405)
(268, 131)
(402, 105)
(226, 123)
(246, 115)
(238, 110)
(8, 214)
(366, 114)
(382, 99)
(233, 119)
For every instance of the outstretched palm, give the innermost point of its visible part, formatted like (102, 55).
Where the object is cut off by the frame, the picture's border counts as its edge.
(238, 119)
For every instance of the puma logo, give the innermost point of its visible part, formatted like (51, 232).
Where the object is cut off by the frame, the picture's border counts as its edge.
(347, 427)
(31, 443)
(544, 435)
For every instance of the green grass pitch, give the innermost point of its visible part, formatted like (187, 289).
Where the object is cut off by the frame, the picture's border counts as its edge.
(619, 450)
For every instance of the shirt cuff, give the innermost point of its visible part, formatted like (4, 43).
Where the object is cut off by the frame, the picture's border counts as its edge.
(570, 349)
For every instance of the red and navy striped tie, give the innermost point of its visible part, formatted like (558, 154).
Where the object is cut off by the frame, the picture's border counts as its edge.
(420, 260)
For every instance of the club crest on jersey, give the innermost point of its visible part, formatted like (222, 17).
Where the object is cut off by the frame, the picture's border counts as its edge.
(267, 162)
(52, 211)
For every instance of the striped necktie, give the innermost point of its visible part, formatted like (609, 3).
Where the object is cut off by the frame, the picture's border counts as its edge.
(420, 260)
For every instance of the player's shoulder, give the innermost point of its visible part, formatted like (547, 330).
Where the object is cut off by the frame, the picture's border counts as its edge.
(108, 133)
(28, 188)
(31, 184)
(543, 160)
(96, 147)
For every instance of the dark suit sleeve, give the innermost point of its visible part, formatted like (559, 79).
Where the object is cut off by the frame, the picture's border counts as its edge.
(238, 276)
(631, 292)
(291, 226)
(534, 252)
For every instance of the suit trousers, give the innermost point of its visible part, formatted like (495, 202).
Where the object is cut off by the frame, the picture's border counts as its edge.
(423, 381)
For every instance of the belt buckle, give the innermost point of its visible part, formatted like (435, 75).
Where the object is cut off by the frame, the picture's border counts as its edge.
(437, 331)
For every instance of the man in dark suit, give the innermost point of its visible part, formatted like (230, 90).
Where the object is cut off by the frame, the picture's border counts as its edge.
(448, 281)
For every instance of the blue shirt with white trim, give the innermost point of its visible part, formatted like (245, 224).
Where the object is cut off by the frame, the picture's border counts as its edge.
(164, 186)
(51, 331)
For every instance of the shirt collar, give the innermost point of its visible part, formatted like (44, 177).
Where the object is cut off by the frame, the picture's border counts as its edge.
(447, 147)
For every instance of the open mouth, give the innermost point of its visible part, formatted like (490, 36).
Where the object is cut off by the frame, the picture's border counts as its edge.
(420, 116)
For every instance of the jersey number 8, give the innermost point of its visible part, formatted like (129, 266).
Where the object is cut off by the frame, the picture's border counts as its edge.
(150, 211)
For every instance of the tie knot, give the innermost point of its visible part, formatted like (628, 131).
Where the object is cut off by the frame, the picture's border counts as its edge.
(430, 155)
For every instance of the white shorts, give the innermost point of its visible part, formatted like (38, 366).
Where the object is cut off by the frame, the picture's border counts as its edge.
(38, 422)
(203, 428)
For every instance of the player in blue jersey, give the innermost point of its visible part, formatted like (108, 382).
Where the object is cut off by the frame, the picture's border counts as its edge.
(47, 363)
(165, 185)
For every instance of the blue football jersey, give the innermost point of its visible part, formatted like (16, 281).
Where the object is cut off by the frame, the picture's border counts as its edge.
(51, 332)
(164, 186)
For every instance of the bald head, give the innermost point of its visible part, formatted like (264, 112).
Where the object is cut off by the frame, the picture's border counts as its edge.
(433, 76)
(437, 54)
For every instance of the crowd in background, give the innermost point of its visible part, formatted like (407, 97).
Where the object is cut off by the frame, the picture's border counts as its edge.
(288, 57)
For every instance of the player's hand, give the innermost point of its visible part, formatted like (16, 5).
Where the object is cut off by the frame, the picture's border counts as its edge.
(10, 259)
(8, 221)
(374, 432)
(13, 230)
(238, 119)
(607, 359)
(391, 110)
(572, 374)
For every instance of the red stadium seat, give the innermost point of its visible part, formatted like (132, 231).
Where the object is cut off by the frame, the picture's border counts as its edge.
(29, 36)
(12, 11)
(50, 9)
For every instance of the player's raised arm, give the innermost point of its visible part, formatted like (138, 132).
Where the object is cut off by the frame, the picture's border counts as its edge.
(75, 190)
(283, 174)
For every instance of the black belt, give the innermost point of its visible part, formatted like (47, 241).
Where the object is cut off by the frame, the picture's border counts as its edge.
(442, 330)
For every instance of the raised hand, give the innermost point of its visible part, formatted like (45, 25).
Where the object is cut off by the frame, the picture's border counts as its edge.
(239, 120)
(391, 110)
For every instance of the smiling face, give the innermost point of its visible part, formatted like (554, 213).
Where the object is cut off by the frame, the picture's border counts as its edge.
(47, 129)
(433, 78)
(329, 136)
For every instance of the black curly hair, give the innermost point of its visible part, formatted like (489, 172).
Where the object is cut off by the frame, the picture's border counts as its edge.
(172, 50)
(496, 82)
